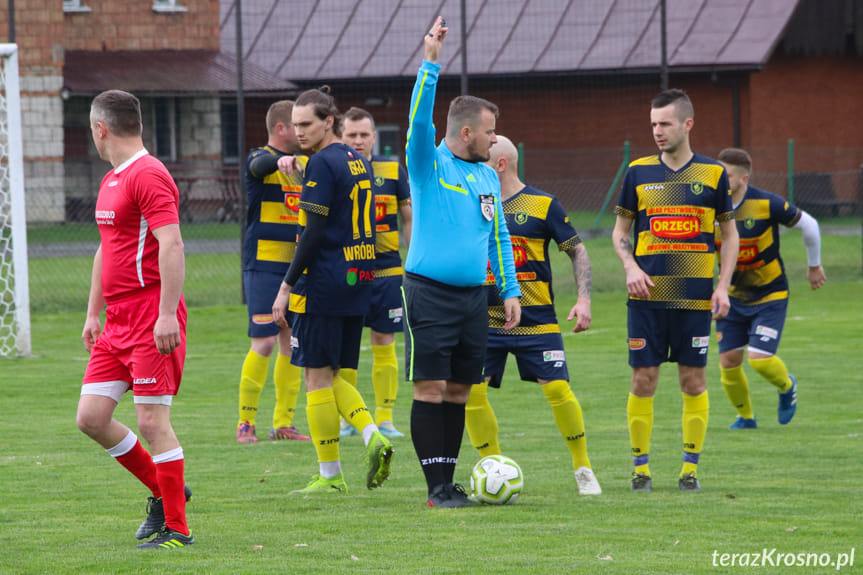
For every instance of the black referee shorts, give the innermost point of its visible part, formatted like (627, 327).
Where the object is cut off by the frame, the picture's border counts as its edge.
(446, 330)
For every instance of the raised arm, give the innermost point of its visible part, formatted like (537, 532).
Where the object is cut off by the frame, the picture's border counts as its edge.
(421, 134)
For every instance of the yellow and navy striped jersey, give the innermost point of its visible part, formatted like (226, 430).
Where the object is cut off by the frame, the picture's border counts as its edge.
(338, 281)
(674, 215)
(271, 223)
(533, 218)
(391, 191)
(759, 275)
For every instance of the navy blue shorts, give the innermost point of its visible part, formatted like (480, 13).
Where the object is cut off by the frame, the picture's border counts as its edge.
(538, 357)
(677, 335)
(759, 326)
(322, 340)
(386, 313)
(446, 330)
(261, 290)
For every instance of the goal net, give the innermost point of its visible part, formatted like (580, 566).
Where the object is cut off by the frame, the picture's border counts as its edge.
(14, 293)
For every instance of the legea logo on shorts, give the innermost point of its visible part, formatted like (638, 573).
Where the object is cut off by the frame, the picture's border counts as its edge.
(262, 319)
(554, 355)
(703, 341)
(144, 381)
(295, 342)
(675, 227)
(636, 343)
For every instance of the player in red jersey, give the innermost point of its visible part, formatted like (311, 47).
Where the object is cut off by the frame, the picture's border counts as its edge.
(138, 274)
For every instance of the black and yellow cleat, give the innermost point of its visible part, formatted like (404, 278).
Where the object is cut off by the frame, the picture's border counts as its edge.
(155, 520)
(168, 539)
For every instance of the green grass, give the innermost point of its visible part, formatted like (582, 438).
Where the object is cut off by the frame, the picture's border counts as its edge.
(68, 508)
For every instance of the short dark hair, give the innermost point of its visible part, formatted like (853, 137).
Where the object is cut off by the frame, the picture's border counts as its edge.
(323, 104)
(678, 98)
(465, 111)
(736, 157)
(120, 111)
(279, 112)
(355, 114)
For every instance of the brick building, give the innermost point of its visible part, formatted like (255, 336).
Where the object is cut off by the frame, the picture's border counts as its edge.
(164, 51)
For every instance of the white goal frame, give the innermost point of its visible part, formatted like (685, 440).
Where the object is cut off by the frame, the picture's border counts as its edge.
(17, 208)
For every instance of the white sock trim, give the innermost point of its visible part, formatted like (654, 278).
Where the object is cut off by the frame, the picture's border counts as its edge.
(172, 455)
(367, 432)
(125, 445)
(330, 469)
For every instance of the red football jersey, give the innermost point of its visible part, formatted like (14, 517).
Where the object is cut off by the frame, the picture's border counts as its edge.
(134, 199)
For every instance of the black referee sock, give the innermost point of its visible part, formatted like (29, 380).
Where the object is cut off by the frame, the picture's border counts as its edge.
(453, 432)
(427, 433)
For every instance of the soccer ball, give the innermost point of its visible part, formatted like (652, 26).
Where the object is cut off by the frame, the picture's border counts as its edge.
(496, 479)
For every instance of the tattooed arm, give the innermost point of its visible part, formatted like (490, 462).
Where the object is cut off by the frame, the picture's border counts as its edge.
(583, 274)
(637, 282)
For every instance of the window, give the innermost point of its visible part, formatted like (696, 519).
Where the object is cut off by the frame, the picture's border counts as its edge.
(75, 6)
(230, 135)
(389, 141)
(169, 6)
(165, 129)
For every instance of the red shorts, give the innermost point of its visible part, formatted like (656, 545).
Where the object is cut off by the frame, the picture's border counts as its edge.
(126, 351)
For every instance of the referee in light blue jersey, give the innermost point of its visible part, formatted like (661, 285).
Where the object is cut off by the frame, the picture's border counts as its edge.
(458, 233)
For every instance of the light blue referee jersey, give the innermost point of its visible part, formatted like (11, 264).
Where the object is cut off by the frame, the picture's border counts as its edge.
(458, 224)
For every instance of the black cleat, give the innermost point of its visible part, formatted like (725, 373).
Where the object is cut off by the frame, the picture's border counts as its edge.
(155, 520)
(689, 483)
(641, 483)
(448, 495)
(168, 539)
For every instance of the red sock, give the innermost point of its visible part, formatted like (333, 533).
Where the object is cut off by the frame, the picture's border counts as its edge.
(172, 484)
(140, 464)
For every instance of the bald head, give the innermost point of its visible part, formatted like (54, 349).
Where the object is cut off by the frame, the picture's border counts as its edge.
(504, 148)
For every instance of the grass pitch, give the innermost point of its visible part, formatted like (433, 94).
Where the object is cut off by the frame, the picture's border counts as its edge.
(67, 507)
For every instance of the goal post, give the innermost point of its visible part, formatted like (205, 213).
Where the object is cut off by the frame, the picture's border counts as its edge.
(14, 281)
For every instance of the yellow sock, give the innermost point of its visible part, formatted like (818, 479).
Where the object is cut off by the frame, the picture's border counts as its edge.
(569, 419)
(323, 423)
(737, 390)
(351, 405)
(639, 415)
(385, 380)
(287, 380)
(349, 375)
(480, 421)
(773, 370)
(252, 380)
(695, 409)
